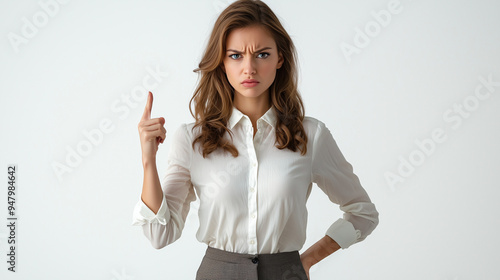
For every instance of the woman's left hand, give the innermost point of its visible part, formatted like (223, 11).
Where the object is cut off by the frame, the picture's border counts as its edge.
(306, 268)
(307, 273)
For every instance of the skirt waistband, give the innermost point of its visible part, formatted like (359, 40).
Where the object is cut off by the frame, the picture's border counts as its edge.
(222, 255)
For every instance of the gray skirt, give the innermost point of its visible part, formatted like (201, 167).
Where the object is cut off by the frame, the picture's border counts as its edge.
(222, 265)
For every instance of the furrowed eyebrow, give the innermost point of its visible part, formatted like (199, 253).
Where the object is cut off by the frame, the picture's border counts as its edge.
(266, 48)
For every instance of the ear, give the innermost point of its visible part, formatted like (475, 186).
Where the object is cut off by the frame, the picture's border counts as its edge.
(280, 61)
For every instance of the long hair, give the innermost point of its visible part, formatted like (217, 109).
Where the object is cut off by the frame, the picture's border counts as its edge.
(214, 94)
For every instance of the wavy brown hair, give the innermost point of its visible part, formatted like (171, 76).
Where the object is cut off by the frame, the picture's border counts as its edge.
(214, 94)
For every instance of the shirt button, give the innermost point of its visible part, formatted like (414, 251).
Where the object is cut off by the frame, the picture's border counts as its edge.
(254, 164)
(252, 189)
(255, 260)
(252, 242)
(253, 216)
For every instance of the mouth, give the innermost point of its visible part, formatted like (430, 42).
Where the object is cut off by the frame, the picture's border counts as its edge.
(249, 84)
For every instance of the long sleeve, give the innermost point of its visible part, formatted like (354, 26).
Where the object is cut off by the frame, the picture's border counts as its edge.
(165, 227)
(334, 176)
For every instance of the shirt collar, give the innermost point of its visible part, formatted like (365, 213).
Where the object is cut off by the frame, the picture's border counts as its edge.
(269, 117)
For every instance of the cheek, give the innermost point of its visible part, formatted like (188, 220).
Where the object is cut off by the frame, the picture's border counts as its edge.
(229, 72)
(232, 76)
(269, 71)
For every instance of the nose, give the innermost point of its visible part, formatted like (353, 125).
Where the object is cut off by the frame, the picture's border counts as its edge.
(249, 66)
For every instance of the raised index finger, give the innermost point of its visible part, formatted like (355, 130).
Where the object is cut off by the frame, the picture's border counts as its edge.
(149, 104)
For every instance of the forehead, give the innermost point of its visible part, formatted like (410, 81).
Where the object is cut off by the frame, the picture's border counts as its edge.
(249, 37)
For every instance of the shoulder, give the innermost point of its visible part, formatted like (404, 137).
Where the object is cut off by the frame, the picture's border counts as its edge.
(186, 130)
(312, 125)
(180, 151)
(317, 132)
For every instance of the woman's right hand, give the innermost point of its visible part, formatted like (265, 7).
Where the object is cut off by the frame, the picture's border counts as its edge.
(151, 132)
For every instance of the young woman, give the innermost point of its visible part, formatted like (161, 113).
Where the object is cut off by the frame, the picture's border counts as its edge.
(251, 156)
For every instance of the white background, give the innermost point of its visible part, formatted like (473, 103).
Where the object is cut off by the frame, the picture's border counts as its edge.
(73, 72)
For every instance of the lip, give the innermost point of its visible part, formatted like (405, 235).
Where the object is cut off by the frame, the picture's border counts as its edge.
(250, 83)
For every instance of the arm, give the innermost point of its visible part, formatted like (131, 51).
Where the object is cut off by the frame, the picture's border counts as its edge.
(151, 188)
(163, 222)
(318, 251)
(335, 177)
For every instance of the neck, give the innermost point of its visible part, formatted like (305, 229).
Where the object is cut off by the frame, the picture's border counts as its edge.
(254, 108)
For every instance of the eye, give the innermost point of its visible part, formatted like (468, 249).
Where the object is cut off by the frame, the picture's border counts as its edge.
(267, 54)
(263, 53)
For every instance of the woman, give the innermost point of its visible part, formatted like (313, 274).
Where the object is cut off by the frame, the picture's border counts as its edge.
(251, 156)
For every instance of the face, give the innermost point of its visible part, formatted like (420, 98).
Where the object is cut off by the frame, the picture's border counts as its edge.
(251, 54)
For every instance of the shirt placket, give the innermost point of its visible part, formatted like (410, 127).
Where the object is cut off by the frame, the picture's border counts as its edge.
(252, 192)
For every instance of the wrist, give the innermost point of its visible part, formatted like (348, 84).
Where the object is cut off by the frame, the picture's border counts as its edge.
(148, 161)
(307, 260)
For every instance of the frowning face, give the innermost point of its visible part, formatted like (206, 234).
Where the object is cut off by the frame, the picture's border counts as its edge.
(251, 55)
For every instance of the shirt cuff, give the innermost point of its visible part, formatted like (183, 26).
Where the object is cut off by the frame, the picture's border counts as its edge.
(344, 233)
(143, 215)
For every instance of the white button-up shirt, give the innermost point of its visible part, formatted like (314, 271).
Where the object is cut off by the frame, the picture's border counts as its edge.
(256, 203)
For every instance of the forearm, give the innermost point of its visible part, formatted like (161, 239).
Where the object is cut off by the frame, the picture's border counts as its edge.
(319, 250)
(152, 194)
